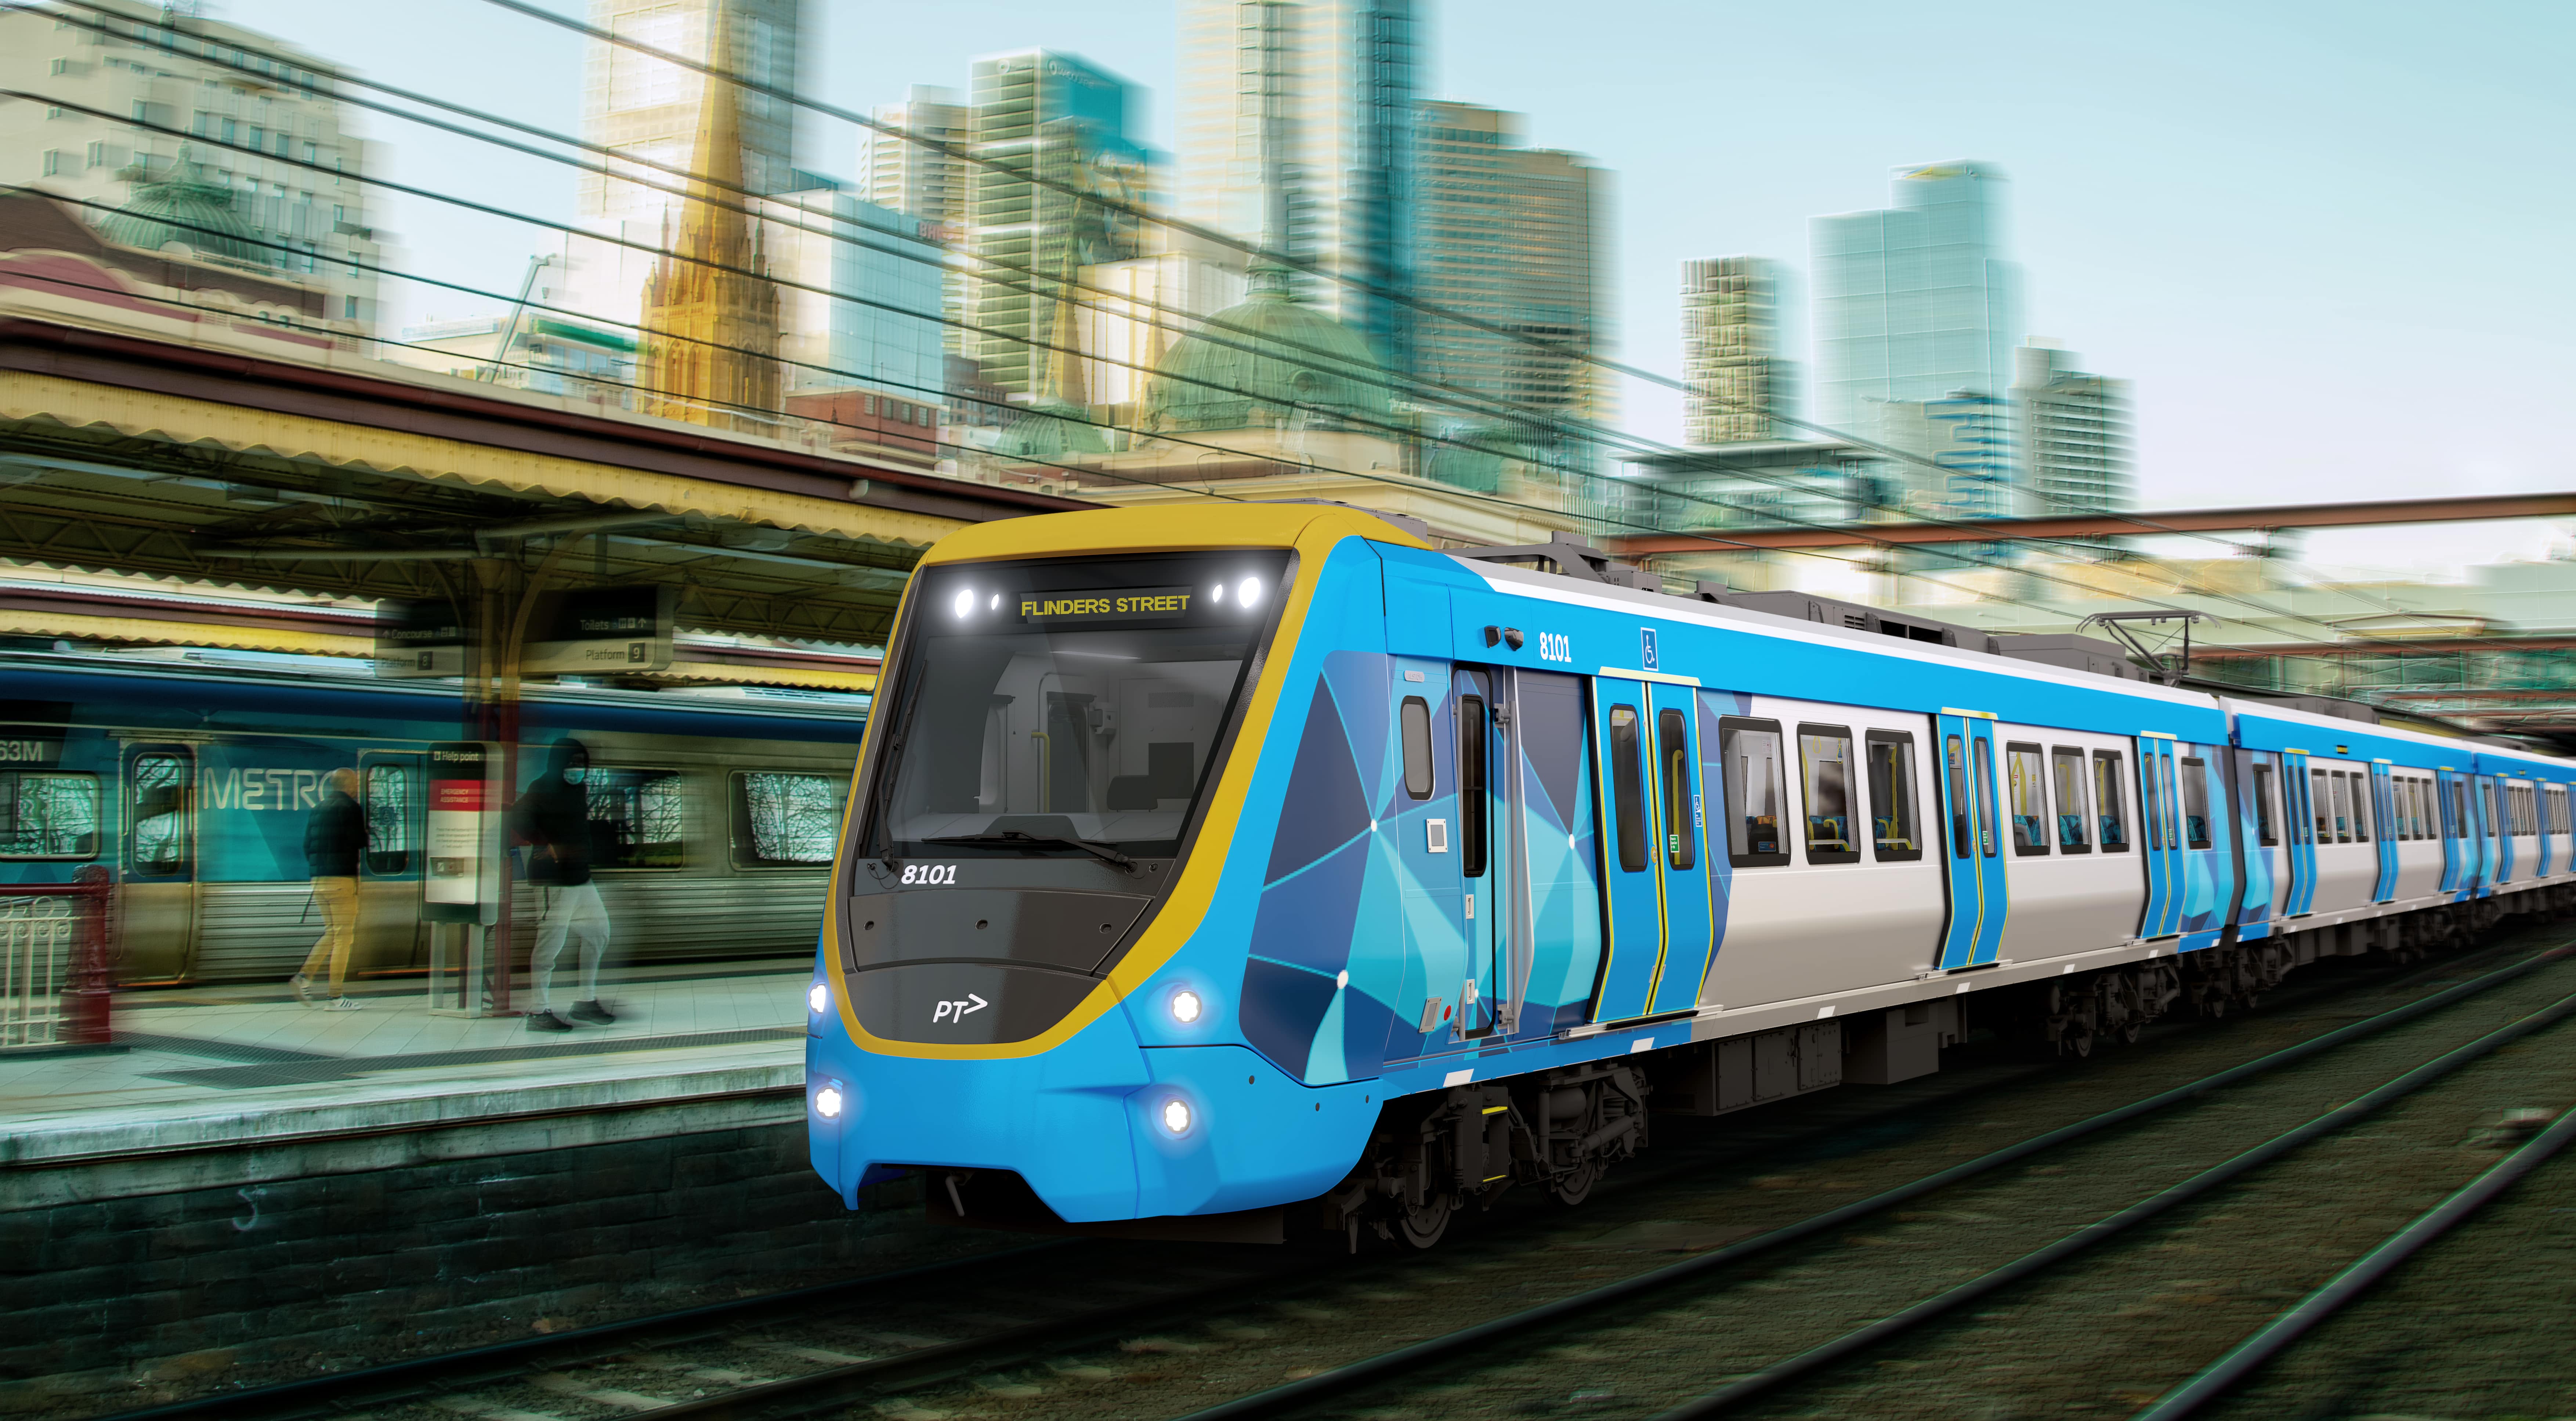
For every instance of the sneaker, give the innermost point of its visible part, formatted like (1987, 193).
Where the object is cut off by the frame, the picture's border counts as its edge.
(303, 986)
(346, 1004)
(591, 1011)
(547, 1021)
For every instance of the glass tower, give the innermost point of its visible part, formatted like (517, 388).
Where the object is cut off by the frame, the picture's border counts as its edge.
(1916, 302)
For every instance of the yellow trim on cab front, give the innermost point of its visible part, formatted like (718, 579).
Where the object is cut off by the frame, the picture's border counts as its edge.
(1312, 531)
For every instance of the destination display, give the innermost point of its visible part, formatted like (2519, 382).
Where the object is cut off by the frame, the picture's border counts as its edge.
(1087, 607)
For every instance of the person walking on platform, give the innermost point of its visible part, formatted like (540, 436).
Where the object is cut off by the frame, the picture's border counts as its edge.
(553, 817)
(334, 835)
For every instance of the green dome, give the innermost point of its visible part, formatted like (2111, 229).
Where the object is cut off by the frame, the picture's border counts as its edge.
(1052, 433)
(200, 215)
(1267, 361)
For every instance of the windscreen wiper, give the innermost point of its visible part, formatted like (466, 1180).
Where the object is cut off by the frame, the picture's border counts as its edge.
(1014, 838)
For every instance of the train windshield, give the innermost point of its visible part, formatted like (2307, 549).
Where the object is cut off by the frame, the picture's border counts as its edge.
(1067, 708)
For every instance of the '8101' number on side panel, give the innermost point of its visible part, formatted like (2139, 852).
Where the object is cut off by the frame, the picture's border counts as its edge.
(928, 874)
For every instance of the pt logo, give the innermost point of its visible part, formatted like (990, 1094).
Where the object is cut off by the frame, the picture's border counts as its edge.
(958, 1011)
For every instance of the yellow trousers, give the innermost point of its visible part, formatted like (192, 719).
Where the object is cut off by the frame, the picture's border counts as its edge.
(338, 900)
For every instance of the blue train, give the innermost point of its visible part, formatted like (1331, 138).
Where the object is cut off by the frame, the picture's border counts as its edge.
(1262, 873)
(194, 782)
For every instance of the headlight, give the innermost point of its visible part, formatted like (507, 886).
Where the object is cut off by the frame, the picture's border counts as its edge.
(1185, 1006)
(1176, 1116)
(1249, 594)
(827, 1102)
(965, 602)
(818, 999)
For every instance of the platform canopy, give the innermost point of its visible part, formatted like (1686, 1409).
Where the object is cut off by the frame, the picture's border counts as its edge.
(193, 454)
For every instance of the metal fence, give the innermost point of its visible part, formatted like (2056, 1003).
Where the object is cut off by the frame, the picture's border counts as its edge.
(53, 964)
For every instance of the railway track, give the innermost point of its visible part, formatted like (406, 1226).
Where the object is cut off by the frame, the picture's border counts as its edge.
(986, 1328)
(1433, 1376)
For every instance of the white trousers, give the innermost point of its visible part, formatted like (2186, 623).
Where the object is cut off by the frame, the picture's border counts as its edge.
(571, 912)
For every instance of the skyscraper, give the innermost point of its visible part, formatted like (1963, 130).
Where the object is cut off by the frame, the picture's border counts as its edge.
(926, 184)
(648, 108)
(1342, 76)
(2076, 440)
(1740, 385)
(1517, 238)
(1047, 126)
(911, 178)
(1915, 302)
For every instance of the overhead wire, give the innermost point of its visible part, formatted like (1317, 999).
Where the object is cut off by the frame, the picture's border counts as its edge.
(1858, 533)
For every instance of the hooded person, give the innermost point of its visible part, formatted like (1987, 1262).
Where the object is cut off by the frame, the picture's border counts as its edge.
(335, 833)
(553, 818)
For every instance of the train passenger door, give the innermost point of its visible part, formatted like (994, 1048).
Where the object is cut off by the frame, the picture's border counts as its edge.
(1481, 746)
(2500, 820)
(2158, 806)
(2299, 816)
(1975, 866)
(1632, 884)
(2490, 856)
(390, 793)
(2383, 824)
(1681, 852)
(2452, 801)
(157, 904)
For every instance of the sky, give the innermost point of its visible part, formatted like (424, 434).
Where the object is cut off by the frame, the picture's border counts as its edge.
(2329, 244)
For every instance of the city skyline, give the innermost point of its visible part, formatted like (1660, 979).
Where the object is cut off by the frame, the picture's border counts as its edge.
(2157, 199)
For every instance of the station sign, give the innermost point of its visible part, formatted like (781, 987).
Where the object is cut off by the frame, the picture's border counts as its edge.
(599, 631)
(462, 838)
(419, 637)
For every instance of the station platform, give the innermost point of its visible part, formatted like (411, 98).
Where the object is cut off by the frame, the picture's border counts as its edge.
(217, 1067)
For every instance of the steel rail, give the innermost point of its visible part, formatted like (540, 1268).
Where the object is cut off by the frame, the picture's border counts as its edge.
(2273, 1338)
(1387, 1365)
(483, 1365)
(2101, 1231)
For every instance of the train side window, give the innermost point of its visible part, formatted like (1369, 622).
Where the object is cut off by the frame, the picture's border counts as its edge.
(2024, 776)
(2321, 803)
(2066, 776)
(2195, 803)
(638, 818)
(2455, 812)
(785, 820)
(2266, 828)
(1984, 751)
(2363, 792)
(2341, 784)
(46, 814)
(1893, 830)
(1824, 772)
(1627, 790)
(2151, 801)
(1954, 766)
(386, 794)
(2110, 805)
(1474, 805)
(157, 809)
(1416, 716)
(1672, 753)
(1756, 793)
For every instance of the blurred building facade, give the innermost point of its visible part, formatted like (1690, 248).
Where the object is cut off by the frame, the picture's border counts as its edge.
(545, 354)
(1517, 239)
(1741, 387)
(1915, 302)
(2076, 438)
(168, 127)
(1332, 85)
(646, 110)
(927, 184)
(860, 340)
(1045, 126)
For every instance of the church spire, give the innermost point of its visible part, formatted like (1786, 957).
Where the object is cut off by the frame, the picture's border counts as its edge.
(710, 312)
